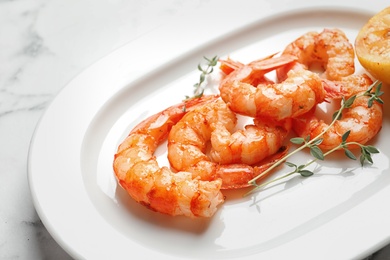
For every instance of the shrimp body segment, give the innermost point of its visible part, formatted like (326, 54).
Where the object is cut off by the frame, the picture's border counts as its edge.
(296, 95)
(231, 154)
(158, 188)
(250, 145)
(364, 123)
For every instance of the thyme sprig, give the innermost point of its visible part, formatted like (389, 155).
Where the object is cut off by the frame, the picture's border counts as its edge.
(315, 150)
(205, 70)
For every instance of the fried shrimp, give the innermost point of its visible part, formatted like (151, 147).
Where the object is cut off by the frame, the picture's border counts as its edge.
(231, 154)
(330, 49)
(296, 95)
(363, 121)
(158, 188)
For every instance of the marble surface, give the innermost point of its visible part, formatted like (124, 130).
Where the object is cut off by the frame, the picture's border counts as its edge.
(43, 45)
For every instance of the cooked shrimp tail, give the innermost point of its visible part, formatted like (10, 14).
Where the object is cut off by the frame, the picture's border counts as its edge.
(228, 66)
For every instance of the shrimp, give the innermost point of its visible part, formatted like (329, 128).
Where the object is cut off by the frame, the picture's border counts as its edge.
(230, 155)
(293, 97)
(158, 188)
(363, 121)
(330, 48)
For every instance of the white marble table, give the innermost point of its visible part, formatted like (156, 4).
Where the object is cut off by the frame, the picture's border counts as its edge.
(43, 45)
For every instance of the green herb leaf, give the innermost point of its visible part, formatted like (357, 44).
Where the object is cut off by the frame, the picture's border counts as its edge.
(317, 153)
(289, 164)
(362, 160)
(306, 173)
(370, 102)
(318, 141)
(379, 101)
(349, 154)
(369, 158)
(374, 95)
(336, 115)
(371, 149)
(201, 78)
(297, 140)
(345, 136)
(348, 103)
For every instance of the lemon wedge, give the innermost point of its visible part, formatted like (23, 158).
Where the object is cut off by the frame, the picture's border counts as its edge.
(372, 46)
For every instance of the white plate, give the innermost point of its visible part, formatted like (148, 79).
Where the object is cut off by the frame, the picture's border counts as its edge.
(340, 213)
